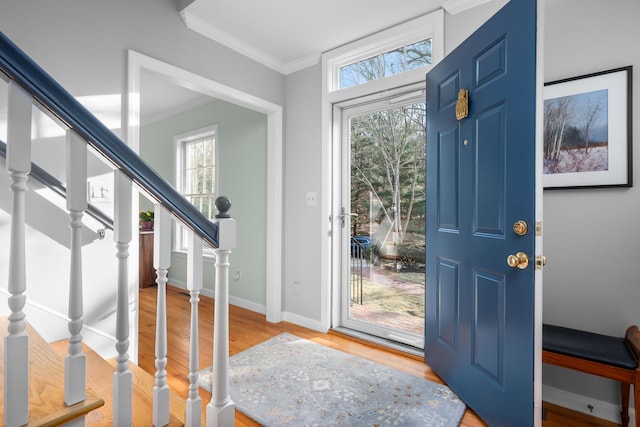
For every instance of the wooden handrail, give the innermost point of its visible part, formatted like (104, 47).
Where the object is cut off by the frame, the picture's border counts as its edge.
(51, 95)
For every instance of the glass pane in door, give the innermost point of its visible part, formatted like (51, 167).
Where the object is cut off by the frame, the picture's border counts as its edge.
(387, 222)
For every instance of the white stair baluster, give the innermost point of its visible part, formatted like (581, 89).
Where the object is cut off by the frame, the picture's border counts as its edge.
(221, 409)
(161, 262)
(16, 343)
(122, 225)
(75, 361)
(194, 284)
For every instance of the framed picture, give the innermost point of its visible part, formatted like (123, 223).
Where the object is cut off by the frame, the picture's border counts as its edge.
(587, 131)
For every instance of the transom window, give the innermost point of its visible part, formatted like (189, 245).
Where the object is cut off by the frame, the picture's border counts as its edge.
(196, 172)
(396, 61)
(391, 58)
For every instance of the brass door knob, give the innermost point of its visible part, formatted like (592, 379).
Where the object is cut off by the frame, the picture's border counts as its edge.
(519, 260)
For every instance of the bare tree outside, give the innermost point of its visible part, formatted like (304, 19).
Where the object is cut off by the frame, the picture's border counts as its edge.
(388, 202)
(576, 133)
(388, 167)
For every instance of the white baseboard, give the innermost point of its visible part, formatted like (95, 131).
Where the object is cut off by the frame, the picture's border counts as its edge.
(249, 305)
(240, 302)
(605, 410)
(316, 325)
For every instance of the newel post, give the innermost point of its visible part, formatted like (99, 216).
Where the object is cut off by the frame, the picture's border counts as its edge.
(221, 409)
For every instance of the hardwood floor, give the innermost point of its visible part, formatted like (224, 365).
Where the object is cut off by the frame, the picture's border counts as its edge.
(248, 328)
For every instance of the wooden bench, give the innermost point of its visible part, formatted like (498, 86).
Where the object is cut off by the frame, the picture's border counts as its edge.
(602, 355)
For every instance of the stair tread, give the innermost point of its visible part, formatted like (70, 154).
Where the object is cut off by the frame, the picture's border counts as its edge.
(46, 385)
(100, 378)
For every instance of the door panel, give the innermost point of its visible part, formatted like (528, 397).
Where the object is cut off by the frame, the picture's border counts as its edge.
(480, 180)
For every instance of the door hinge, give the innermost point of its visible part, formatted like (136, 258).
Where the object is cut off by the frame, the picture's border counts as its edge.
(538, 228)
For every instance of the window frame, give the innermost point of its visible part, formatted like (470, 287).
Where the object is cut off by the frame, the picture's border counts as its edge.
(179, 144)
(429, 25)
(425, 27)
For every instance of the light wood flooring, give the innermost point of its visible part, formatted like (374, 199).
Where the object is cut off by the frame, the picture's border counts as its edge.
(248, 328)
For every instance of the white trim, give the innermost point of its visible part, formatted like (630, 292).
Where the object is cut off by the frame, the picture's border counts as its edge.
(330, 201)
(274, 216)
(538, 274)
(136, 63)
(576, 402)
(247, 305)
(238, 302)
(456, 6)
(198, 25)
(179, 147)
(430, 25)
(302, 63)
(304, 321)
(177, 110)
(342, 114)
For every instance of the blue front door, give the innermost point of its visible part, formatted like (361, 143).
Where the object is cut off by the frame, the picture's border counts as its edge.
(479, 334)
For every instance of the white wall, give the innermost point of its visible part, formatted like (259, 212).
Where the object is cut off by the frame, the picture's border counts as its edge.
(592, 279)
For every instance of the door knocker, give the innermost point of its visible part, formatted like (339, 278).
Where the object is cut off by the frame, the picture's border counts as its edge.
(462, 106)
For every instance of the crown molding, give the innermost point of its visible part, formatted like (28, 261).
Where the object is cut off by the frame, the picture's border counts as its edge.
(302, 63)
(198, 25)
(456, 6)
(212, 32)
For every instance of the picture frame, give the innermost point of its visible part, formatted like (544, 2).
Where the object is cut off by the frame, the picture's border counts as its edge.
(588, 131)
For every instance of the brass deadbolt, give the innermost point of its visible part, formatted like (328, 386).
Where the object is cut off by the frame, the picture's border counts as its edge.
(520, 228)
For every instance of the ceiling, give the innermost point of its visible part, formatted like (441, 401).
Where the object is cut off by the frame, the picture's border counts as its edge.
(285, 35)
(288, 35)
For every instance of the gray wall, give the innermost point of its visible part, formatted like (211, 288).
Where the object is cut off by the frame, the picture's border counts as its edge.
(303, 169)
(84, 45)
(242, 148)
(301, 268)
(592, 279)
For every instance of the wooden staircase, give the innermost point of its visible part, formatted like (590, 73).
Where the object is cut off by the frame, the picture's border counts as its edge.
(36, 376)
(46, 390)
(46, 387)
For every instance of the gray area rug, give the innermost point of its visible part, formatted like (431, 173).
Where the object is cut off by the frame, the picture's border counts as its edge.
(290, 381)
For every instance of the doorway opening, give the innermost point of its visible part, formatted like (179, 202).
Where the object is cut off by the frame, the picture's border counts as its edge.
(382, 218)
(141, 66)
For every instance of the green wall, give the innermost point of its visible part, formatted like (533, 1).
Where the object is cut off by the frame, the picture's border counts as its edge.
(242, 163)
